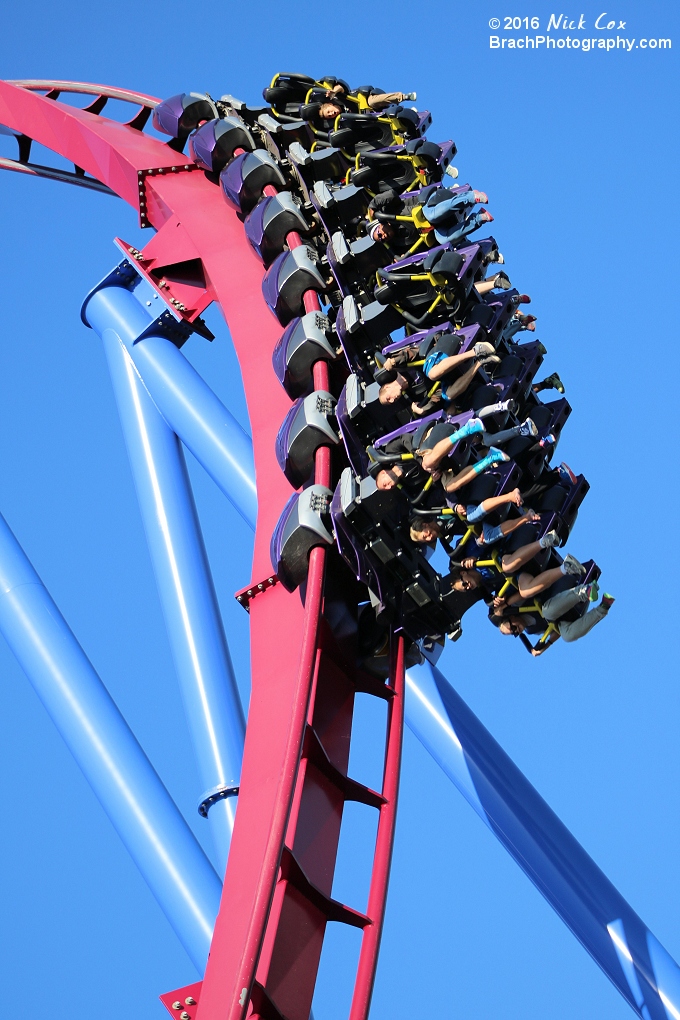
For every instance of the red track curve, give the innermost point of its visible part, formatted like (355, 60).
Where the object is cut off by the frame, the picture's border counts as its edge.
(276, 899)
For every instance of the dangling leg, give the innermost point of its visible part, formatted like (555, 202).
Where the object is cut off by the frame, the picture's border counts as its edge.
(579, 628)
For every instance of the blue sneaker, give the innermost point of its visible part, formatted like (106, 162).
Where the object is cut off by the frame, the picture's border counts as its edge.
(496, 456)
(528, 429)
(470, 428)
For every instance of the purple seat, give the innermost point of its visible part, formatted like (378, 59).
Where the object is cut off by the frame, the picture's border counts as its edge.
(563, 500)
(357, 132)
(407, 122)
(423, 336)
(383, 168)
(560, 410)
(244, 179)
(421, 423)
(431, 159)
(213, 145)
(473, 256)
(413, 283)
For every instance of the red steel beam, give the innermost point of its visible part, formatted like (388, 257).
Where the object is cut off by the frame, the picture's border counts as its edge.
(302, 696)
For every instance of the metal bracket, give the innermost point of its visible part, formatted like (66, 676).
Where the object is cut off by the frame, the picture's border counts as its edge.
(183, 1002)
(244, 596)
(218, 793)
(145, 267)
(153, 172)
(127, 274)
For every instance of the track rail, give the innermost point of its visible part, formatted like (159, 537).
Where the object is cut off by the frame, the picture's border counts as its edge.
(277, 898)
(86, 89)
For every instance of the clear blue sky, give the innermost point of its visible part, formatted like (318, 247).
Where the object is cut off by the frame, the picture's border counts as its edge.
(578, 153)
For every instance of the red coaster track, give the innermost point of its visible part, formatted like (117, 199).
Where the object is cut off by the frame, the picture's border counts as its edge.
(277, 891)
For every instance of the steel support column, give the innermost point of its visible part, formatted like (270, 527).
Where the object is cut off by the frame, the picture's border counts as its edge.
(595, 911)
(122, 777)
(180, 564)
(200, 419)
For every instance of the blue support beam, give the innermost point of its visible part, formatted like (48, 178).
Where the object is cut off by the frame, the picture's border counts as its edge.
(180, 564)
(598, 915)
(614, 935)
(206, 427)
(158, 839)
